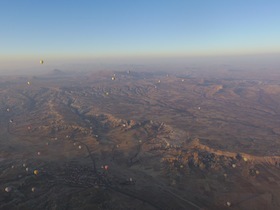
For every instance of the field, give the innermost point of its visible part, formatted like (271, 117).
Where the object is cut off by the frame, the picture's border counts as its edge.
(140, 140)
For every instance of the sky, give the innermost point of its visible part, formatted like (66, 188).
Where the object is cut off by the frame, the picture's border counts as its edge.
(68, 30)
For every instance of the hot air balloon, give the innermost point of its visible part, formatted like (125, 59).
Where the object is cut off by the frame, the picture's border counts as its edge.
(8, 189)
(36, 172)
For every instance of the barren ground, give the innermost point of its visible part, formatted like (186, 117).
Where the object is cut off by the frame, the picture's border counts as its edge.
(140, 141)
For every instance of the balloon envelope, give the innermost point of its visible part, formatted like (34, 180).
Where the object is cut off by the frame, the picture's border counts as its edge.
(8, 189)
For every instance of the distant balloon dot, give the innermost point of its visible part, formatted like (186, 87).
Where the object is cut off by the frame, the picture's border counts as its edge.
(41, 61)
(8, 189)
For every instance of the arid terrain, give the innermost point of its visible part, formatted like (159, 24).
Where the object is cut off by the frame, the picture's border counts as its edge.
(140, 140)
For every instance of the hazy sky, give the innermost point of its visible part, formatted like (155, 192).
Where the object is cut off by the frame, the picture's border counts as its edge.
(86, 29)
